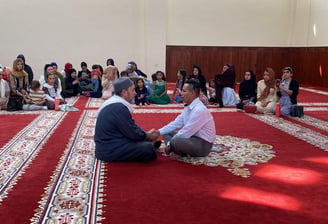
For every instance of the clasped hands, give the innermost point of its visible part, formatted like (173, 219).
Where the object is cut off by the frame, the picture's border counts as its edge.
(152, 134)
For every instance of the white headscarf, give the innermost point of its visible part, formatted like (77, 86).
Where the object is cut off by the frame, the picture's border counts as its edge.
(2, 88)
(115, 99)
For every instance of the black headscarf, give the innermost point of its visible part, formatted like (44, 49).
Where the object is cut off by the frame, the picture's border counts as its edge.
(248, 88)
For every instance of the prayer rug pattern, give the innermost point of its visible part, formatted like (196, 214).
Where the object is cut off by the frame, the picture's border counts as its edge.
(74, 193)
(234, 153)
(305, 134)
(323, 125)
(314, 91)
(18, 153)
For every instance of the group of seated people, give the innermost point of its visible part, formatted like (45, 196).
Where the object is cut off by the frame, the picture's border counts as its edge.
(98, 83)
(268, 92)
(19, 91)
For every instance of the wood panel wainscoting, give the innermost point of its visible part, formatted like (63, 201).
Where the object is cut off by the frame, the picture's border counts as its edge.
(310, 64)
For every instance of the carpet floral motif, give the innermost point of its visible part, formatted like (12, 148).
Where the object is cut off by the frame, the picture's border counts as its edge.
(17, 154)
(234, 154)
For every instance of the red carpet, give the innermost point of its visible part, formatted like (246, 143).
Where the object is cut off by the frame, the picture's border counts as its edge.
(288, 188)
(174, 192)
(11, 124)
(306, 96)
(26, 193)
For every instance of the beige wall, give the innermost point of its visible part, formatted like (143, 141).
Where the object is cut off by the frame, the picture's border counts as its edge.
(229, 22)
(91, 31)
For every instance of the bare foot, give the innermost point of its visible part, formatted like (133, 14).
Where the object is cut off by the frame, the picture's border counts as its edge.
(174, 156)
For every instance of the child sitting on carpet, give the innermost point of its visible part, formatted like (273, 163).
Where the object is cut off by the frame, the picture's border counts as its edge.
(181, 77)
(159, 95)
(36, 99)
(96, 91)
(52, 92)
(211, 92)
(141, 92)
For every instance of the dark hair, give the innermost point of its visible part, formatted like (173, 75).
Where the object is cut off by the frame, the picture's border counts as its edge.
(184, 74)
(84, 64)
(50, 75)
(194, 85)
(209, 82)
(253, 76)
(124, 73)
(46, 66)
(70, 71)
(111, 61)
(35, 84)
(160, 72)
(198, 68)
(96, 66)
(136, 83)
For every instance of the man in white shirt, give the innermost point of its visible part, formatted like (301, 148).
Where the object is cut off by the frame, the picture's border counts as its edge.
(192, 133)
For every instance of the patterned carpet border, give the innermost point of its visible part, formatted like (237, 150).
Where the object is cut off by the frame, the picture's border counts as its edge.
(74, 193)
(316, 109)
(314, 91)
(18, 153)
(313, 104)
(315, 122)
(302, 133)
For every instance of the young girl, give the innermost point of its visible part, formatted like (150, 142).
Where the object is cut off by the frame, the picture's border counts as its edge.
(211, 92)
(159, 95)
(181, 77)
(96, 91)
(52, 91)
(36, 98)
(141, 92)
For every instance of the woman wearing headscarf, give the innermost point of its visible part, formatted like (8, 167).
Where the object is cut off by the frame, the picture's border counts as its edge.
(67, 67)
(72, 83)
(247, 89)
(227, 78)
(18, 79)
(266, 92)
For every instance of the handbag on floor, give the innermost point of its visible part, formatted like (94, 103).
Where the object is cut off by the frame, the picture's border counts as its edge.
(296, 111)
(15, 103)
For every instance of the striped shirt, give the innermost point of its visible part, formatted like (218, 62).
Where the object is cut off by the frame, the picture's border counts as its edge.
(36, 96)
